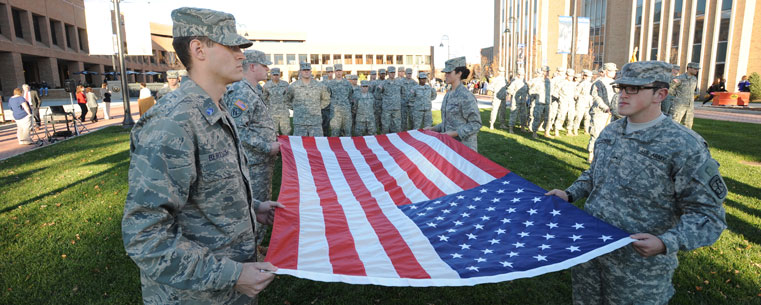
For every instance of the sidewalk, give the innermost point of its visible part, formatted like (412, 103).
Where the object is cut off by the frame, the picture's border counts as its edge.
(9, 146)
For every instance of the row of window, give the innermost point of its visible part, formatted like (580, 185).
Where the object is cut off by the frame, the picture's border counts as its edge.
(349, 59)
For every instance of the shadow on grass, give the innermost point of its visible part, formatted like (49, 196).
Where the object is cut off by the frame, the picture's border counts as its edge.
(740, 138)
(18, 177)
(735, 224)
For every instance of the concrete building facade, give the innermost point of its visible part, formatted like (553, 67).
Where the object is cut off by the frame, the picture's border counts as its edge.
(724, 36)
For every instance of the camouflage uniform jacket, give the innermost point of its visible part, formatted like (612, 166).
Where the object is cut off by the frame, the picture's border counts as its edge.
(555, 83)
(602, 94)
(583, 96)
(660, 180)
(253, 120)
(163, 91)
(497, 83)
(187, 219)
(422, 97)
(540, 86)
(408, 85)
(273, 95)
(459, 112)
(365, 107)
(684, 89)
(518, 90)
(307, 101)
(566, 91)
(390, 90)
(340, 93)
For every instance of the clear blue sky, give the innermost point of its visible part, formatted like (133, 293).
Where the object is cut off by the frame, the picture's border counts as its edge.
(389, 22)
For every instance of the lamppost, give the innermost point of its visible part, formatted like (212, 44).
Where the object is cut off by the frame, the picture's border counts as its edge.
(511, 35)
(128, 122)
(504, 51)
(445, 37)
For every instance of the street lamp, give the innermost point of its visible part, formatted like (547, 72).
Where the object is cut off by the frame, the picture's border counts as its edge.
(445, 37)
(504, 51)
(128, 122)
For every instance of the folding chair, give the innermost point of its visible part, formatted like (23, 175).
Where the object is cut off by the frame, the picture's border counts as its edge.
(57, 115)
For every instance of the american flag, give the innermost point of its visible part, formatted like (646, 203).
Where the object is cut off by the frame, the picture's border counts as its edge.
(418, 208)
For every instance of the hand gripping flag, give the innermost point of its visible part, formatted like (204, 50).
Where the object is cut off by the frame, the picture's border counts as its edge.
(418, 208)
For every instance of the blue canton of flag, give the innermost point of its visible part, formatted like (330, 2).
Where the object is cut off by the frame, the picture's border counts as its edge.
(509, 229)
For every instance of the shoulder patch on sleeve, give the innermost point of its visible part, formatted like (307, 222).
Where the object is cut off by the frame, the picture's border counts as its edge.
(708, 175)
(240, 104)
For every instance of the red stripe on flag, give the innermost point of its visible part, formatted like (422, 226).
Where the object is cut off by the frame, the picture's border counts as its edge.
(413, 172)
(341, 246)
(393, 243)
(480, 161)
(284, 242)
(458, 177)
(389, 183)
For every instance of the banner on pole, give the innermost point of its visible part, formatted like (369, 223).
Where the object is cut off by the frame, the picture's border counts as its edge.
(137, 29)
(582, 38)
(565, 34)
(99, 27)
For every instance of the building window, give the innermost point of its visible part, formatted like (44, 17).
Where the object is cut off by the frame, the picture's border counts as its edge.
(358, 58)
(390, 59)
(369, 59)
(676, 32)
(347, 59)
(302, 58)
(291, 59)
(336, 59)
(37, 20)
(428, 59)
(53, 32)
(721, 48)
(408, 60)
(278, 59)
(67, 29)
(83, 40)
(399, 59)
(17, 22)
(379, 59)
(314, 59)
(418, 60)
(325, 59)
(701, 9)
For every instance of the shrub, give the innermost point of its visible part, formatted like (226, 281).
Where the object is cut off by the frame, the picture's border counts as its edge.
(755, 86)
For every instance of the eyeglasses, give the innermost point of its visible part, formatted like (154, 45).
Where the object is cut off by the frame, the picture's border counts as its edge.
(632, 89)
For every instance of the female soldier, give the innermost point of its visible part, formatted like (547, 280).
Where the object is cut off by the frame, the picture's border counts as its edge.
(460, 118)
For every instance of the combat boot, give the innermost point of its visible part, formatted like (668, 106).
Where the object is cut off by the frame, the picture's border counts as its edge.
(511, 130)
(557, 133)
(533, 134)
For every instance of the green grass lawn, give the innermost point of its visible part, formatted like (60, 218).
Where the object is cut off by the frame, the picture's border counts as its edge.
(61, 208)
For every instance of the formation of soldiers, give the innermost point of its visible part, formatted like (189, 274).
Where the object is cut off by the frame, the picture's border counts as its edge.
(567, 99)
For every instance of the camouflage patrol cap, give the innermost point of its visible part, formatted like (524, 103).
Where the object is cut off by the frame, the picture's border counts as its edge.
(256, 57)
(365, 83)
(453, 63)
(182, 73)
(587, 72)
(676, 67)
(408, 70)
(694, 65)
(172, 74)
(339, 67)
(610, 66)
(275, 71)
(570, 72)
(401, 69)
(391, 69)
(381, 71)
(373, 72)
(329, 69)
(305, 66)
(422, 75)
(644, 72)
(217, 26)
(352, 77)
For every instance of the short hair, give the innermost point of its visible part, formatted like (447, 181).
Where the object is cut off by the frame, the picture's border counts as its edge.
(465, 72)
(88, 89)
(143, 84)
(25, 86)
(17, 91)
(182, 48)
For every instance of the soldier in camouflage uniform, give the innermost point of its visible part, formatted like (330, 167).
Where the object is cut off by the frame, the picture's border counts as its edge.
(408, 102)
(540, 88)
(173, 82)
(668, 103)
(255, 127)
(340, 91)
(327, 112)
(365, 104)
(422, 95)
(652, 177)
(390, 91)
(554, 104)
(378, 100)
(273, 94)
(460, 118)
(602, 97)
(518, 91)
(328, 75)
(684, 95)
(307, 98)
(182, 73)
(188, 217)
(566, 90)
(583, 103)
(498, 84)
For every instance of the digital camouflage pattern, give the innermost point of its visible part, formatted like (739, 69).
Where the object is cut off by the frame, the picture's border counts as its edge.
(365, 117)
(378, 102)
(408, 84)
(684, 98)
(188, 215)
(539, 89)
(390, 92)
(518, 91)
(566, 105)
(307, 101)
(498, 101)
(660, 180)
(459, 112)
(218, 26)
(602, 95)
(644, 73)
(583, 104)
(340, 102)
(453, 63)
(421, 106)
(554, 103)
(274, 95)
(163, 91)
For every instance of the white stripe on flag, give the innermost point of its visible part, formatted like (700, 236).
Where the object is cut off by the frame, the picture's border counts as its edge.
(369, 249)
(431, 172)
(313, 245)
(417, 242)
(468, 168)
(402, 179)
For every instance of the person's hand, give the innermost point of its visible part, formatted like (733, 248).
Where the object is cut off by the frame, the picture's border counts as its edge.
(648, 244)
(274, 148)
(451, 133)
(559, 193)
(265, 214)
(428, 128)
(676, 80)
(254, 278)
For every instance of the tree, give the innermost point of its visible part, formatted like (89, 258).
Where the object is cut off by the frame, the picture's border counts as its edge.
(755, 86)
